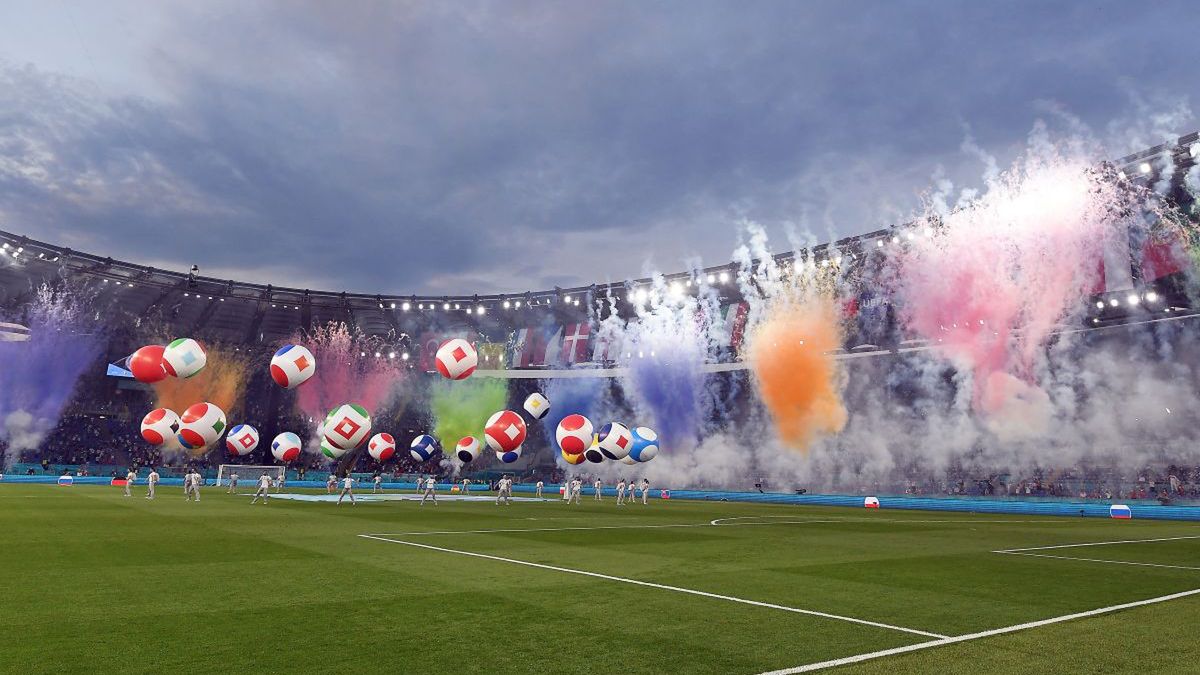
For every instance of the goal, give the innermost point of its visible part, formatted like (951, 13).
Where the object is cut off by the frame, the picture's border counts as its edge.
(248, 475)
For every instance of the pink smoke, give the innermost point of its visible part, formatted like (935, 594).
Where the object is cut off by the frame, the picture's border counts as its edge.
(347, 372)
(989, 283)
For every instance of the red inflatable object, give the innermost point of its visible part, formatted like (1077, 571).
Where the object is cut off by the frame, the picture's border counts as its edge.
(146, 364)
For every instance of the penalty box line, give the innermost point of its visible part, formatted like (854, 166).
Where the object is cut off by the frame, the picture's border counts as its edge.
(859, 658)
(664, 587)
(1058, 547)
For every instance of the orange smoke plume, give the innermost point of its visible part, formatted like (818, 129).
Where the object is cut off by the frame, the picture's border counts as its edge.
(221, 383)
(790, 354)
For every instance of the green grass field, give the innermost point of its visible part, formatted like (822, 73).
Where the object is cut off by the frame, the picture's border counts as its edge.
(95, 582)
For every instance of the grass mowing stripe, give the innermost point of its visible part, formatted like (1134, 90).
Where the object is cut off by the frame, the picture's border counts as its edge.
(1094, 543)
(649, 584)
(833, 663)
(1098, 560)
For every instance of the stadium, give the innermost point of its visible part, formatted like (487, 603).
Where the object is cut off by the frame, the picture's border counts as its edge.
(964, 442)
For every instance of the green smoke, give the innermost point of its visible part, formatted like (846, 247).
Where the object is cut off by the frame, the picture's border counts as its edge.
(462, 408)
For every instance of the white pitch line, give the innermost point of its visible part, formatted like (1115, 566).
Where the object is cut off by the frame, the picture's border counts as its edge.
(721, 521)
(1094, 543)
(1099, 560)
(975, 636)
(536, 529)
(664, 587)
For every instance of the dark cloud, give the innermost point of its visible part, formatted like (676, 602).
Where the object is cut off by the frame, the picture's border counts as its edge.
(475, 147)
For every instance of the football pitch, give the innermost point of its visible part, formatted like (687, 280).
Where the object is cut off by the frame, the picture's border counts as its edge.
(96, 582)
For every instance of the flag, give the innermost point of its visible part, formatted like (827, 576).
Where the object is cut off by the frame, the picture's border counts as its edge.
(733, 325)
(1162, 255)
(552, 347)
(528, 348)
(575, 343)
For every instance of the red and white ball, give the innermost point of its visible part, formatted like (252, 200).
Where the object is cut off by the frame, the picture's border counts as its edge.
(382, 447)
(201, 425)
(184, 357)
(286, 447)
(457, 359)
(292, 365)
(467, 449)
(614, 440)
(158, 425)
(505, 431)
(574, 434)
(241, 440)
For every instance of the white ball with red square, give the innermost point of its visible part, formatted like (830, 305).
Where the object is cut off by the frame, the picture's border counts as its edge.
(614, 440)
(457, 359)
(241, 440)
(505, 431)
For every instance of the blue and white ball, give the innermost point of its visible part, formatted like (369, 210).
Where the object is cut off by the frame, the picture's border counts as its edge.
(510, 456)
(645, 444)
(423, 447)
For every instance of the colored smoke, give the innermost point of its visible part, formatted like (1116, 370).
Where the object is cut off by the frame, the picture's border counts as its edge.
(988, 282)
(795, 372)
(462, 408)
(222, 383)
(38, 376)
(348, 371)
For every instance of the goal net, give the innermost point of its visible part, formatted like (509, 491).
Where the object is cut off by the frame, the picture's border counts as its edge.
(248, 475)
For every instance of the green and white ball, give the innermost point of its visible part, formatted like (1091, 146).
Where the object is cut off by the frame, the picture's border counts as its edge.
(184, 357)
(347, 426)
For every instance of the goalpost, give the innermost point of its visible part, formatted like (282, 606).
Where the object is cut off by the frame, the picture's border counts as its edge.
(248, 475)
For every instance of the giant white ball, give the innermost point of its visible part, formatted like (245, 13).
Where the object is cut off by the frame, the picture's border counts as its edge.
(614, 440)
(184, 357)
(286, 447)
(382, 447)
(645, 444)
(423, 447)
(504, 431)
(510, 456)
(292, 365)
(536, 405)
(158, 425)
(467, 449)
(241, 440)
(456, 359)
(574, 434)
(201, 425)
(347, 426)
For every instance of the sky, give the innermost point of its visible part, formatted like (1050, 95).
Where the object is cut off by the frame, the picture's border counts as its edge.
(446, 147)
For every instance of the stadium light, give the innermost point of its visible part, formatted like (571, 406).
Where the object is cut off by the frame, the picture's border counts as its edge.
(895, 239)
(1152, 297)
(377, 354)
(1132, 299)
(479, 310)
(675, 289)
(576, 303)
(404, 307)
(393, 306)
(421, 305)
(1144, 167)
(404, 356)
(723, 277)
(1099, 304)
(567, 299)
(362, 353)
(517, 304)
(446, 306)
(1114, 302)
(507, 304)
(711, 279)
(4, 246)
(391, 355)
(456, 306)
(641, 295)
(879, 243)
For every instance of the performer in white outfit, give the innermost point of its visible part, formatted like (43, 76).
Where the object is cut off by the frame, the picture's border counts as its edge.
(504, 491)
(430, 484)
(151, 483)
(330, 484)
(129, 478)
(576, 490)
(197, 481)
(620, 492)
(347, 489)
(645, 488)
(378, 486)
(264, 489)
(540, 484)
(233, 478)
(466, 486)
(599, 489)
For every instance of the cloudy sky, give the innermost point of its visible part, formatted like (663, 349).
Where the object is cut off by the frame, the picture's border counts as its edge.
(472, 147)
